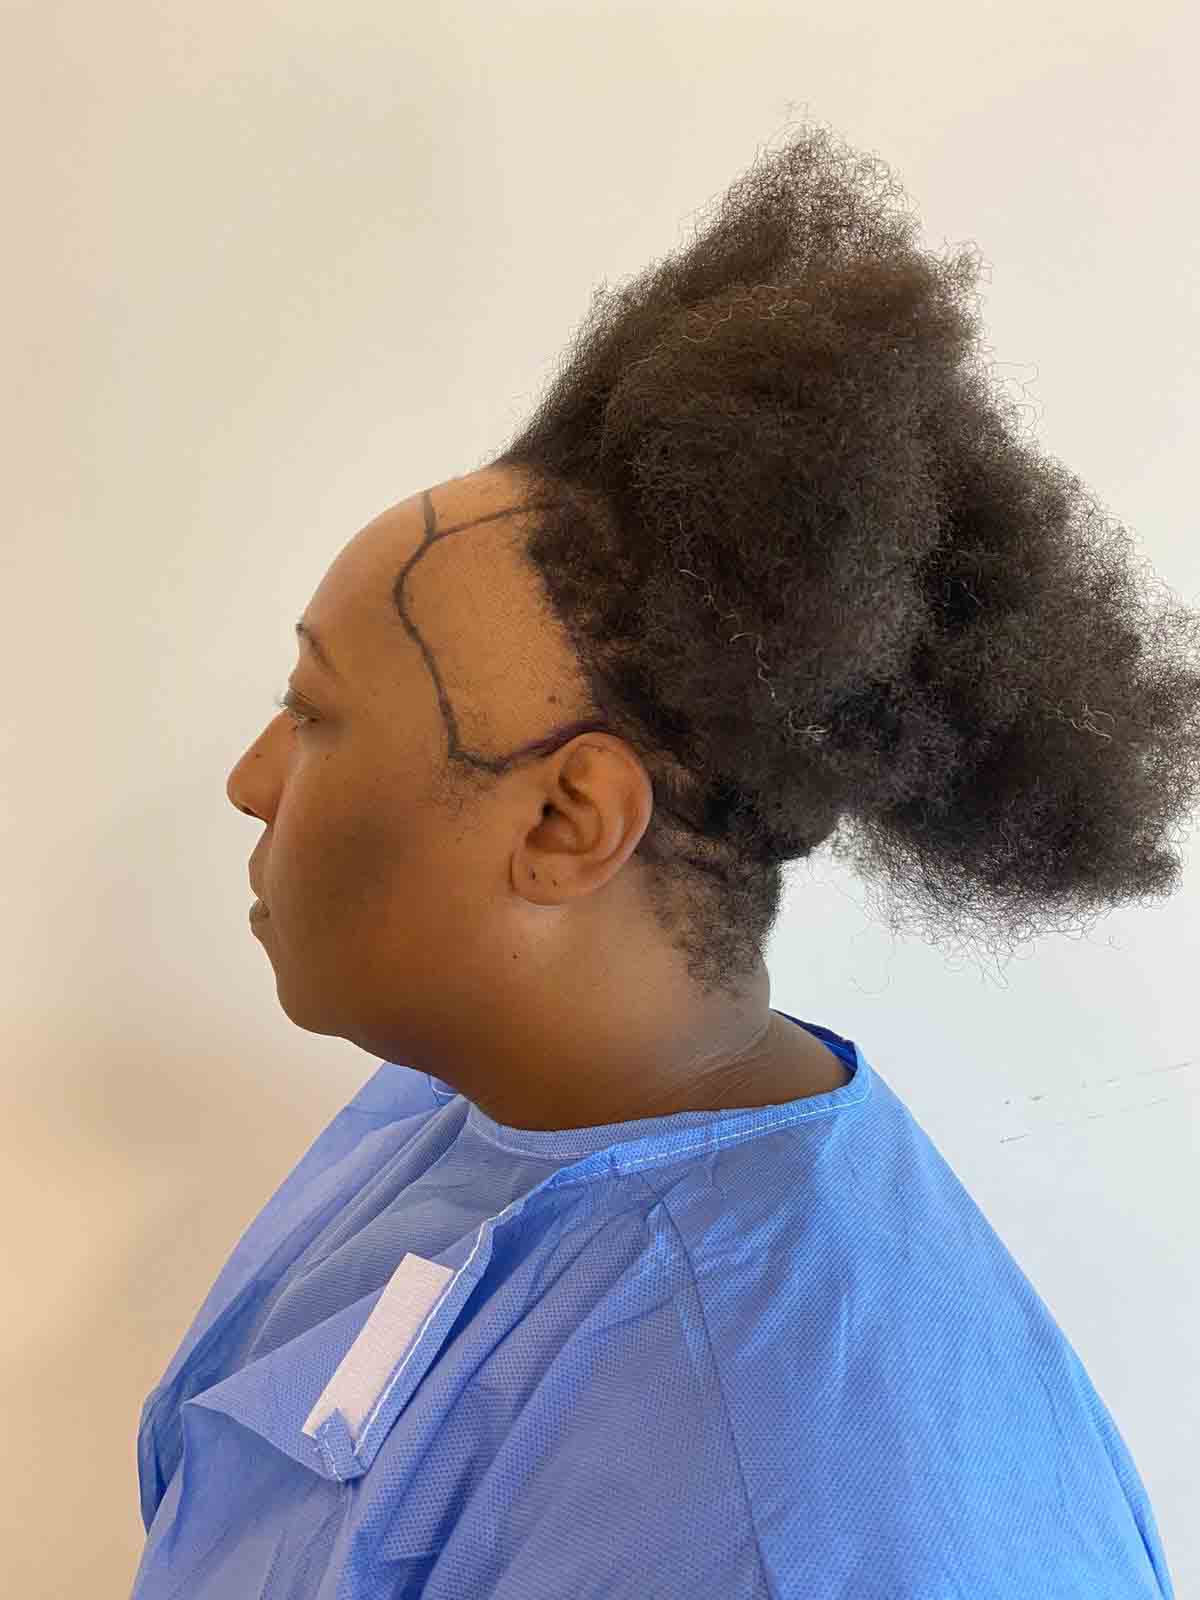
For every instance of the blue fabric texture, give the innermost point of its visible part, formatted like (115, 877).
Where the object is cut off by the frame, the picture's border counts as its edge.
(776, 1352)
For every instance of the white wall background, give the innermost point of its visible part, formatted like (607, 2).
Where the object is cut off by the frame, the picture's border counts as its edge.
(269, 268)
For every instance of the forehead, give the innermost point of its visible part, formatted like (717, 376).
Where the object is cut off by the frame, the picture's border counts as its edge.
(475, 623)
(477, 633)
(463, 521)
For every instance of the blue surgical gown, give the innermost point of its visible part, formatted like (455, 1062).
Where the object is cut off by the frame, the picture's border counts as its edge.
(721, 1355)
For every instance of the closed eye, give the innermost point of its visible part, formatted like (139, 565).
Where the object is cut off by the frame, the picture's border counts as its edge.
(291, 703)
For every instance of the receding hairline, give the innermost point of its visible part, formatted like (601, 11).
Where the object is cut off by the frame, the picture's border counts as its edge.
(305, 630)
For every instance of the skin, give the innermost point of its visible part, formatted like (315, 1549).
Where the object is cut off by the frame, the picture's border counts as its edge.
(509, 951)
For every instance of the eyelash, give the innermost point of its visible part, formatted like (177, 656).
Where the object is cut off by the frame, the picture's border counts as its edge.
(287, 702)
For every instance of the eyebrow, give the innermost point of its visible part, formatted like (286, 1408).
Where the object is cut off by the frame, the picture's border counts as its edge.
(303, 631)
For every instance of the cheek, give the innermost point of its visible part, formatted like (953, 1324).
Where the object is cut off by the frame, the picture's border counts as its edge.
(376, 858)
(319, 856)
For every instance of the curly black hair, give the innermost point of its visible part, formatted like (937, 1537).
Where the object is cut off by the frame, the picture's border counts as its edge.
(819, 584)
